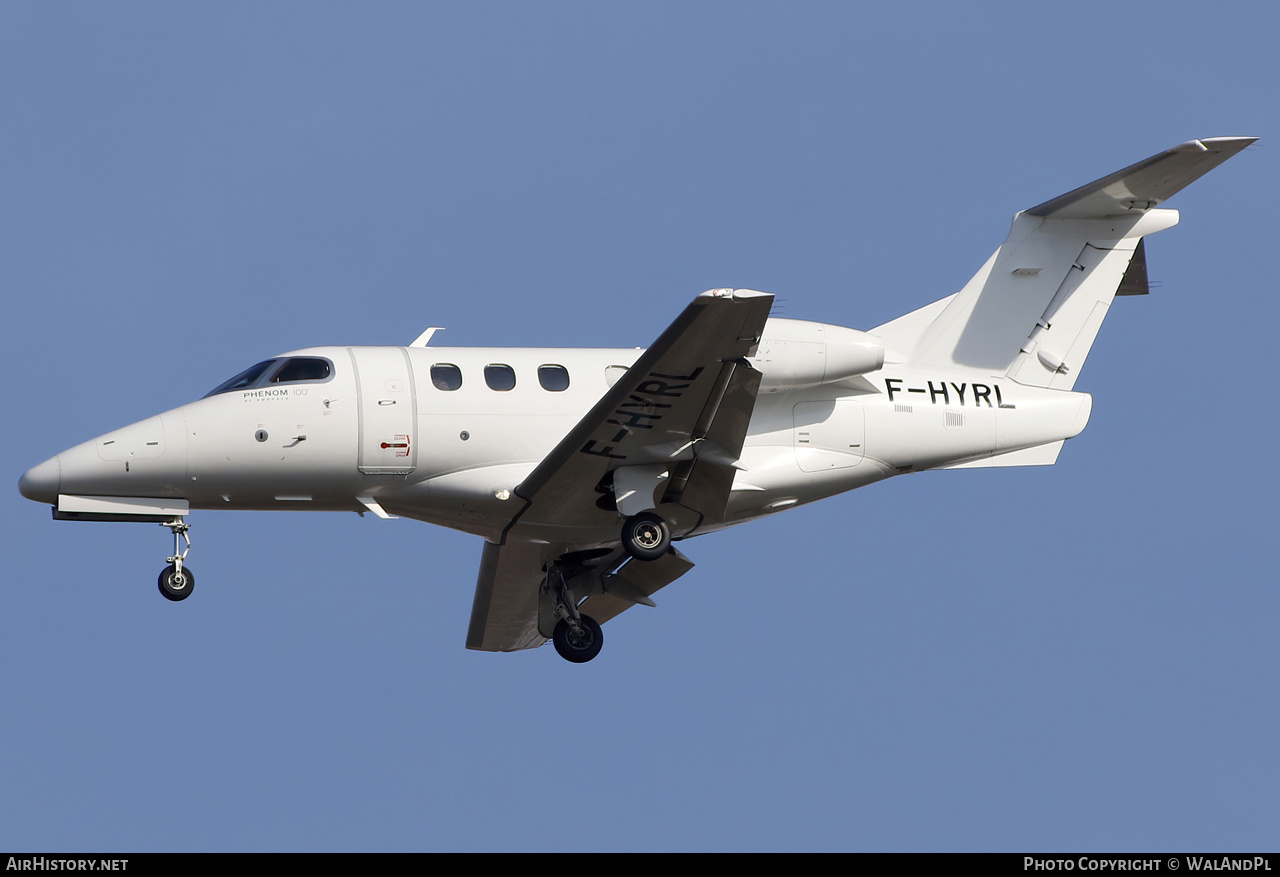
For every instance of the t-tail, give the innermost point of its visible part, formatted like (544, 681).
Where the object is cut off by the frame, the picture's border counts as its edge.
(1032, 312)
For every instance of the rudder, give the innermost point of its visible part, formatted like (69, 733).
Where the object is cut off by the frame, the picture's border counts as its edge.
(1032, 312)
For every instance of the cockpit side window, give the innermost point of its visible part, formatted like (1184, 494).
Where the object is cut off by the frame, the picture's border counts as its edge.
(303, 368)
(246, 378)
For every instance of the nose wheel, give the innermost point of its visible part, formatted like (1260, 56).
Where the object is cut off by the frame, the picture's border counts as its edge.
(176, 584)
(176, 581)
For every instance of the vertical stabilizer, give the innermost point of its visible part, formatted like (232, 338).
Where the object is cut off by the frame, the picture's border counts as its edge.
(1033, 310)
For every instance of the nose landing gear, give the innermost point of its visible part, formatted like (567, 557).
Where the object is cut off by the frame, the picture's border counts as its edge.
(176, 581)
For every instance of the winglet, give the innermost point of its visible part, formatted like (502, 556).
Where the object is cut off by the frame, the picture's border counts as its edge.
(1146, 184)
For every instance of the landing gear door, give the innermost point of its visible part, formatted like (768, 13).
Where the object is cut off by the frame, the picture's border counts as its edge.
(388, 410)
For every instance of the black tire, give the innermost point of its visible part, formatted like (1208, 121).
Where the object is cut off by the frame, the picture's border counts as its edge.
(171, 588)
(578, 648)
(645, 536)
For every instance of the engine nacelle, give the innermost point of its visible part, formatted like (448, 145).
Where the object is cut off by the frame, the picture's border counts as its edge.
(798, 353)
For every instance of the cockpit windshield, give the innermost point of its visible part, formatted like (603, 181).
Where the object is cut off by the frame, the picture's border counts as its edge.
(246, 378)
(295, 369)
(302, 368)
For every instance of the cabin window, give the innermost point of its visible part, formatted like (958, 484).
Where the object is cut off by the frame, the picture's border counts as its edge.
(446, 376)
(303, 368)
(612, 373)
(499, 376)
(246, 378)
(553, 377)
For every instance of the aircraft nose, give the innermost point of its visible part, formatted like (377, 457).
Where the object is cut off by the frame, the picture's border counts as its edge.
(41, 483)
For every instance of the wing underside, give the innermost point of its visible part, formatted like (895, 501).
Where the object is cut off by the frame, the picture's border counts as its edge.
(667, 435)
(505, 615)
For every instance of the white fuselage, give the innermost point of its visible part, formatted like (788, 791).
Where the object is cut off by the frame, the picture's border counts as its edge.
(382, 432)
(582, 467)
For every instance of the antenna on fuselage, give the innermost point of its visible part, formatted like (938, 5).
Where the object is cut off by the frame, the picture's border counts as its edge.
(425, 338)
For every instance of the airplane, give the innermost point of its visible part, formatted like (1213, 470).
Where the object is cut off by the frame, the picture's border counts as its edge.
(582, 469)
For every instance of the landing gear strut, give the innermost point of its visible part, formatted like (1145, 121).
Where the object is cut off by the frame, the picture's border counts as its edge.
(577, 637)
(176, 581)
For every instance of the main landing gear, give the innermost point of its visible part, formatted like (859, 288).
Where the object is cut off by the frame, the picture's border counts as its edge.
(577, 637)
(578, 642)
(646, 536)
(176, 581)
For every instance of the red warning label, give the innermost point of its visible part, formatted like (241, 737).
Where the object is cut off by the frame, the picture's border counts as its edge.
(400, 443)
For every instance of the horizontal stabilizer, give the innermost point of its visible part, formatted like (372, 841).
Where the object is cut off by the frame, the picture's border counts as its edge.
(1146, 184)
(1032, 312)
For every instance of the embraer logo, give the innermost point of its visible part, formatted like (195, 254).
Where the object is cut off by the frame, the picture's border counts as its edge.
(978, 393)
(639, 412)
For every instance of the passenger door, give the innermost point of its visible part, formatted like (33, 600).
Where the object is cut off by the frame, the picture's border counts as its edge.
(388, 410)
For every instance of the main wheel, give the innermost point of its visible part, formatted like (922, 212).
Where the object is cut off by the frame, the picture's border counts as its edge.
(174, 585)
(645, 536)
(578, 647)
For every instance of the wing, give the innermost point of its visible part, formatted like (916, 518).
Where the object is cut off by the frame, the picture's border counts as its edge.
(674, 424)
(665, 408)
(504, 615)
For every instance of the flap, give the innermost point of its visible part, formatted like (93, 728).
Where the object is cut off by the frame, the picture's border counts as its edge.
(680, 401)
(636, 580)
(504, 613)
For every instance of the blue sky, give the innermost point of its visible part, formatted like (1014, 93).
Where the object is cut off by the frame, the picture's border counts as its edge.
(1074, 658)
